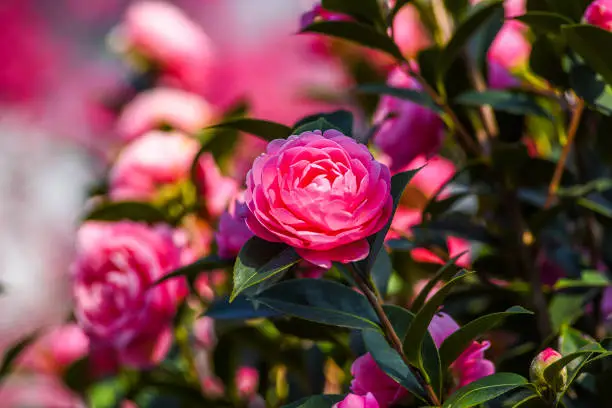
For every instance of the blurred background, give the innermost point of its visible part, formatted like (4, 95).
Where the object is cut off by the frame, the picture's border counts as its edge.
(58, 83)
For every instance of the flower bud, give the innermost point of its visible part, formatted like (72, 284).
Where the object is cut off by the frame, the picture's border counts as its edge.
(539, 365)
(599, 14)
(247, 381)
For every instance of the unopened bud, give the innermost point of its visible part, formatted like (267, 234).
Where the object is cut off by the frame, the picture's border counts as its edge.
(540, 363)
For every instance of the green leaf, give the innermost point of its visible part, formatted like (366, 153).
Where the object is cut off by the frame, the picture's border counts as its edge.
(259, 260)
(544, 22)
(567, 307)
(391, 363)
(411, 95)
(598, 185)
(264, 129)
(418, 329)
(457, 342)
(464, 32)
(240, 308)
(504, 101)
(13, 352)
(376, 241)
(340, 120)
(317, 401)
(588, 279)
(381, 272)
(356, 32)
(321, 301)
(571, 340)
(444, 273)
(553, 370)
(127, 210)
(484, 389)
(586, 40)
(191, 271)
(367, 11)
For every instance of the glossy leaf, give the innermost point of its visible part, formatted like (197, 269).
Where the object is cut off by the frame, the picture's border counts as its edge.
(586, 40)
(264, 129)
(321, 301)
(485, 389)
(341, 120)
(381, 271)
(192, 270)
(259, 260)
(444, 273)
(544, 22)
(127, 210)
(241, 308)
(504, 101)
(358, 33)
(411, 95)
(458, 341)
(565, 308)
(364, 10)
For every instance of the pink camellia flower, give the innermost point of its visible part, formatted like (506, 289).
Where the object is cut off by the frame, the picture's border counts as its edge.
(116, 306)
(233, 232)
(358, 401)
(56, 350)
(471, 365)
(247, 381)
(510, 49)
(599, 13)
(320, 44)
(157, 107)
(320, 192)
(171, 42)
(409, 33)
(408, 130)
(540, 363)
(164, 158)
(369, 379)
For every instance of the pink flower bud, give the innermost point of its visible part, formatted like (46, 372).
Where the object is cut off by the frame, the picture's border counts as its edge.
(359, 401)
(204, 332)
(233, 231)
(599, 13)
(152, 109)
(247, 381)
(540, 363)
(409, 32)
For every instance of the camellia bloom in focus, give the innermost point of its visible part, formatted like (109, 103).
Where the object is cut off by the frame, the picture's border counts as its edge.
(233, 231)
(358, 401)
(471, 365)
(115, 304)
(369, 379)
(321, 193)
(168, 41)
(599, 13)
(407, 129)
(150, 110)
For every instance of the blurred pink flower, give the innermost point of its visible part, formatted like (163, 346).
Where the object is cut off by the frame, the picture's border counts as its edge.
(408, 130)
(116, 265)
(409, 32)
(55, 350)
(149, 110)
(232, 232)
(510, 49)
(599, 13)
(204, 332)
(322, 193)
(370, 380)
(500, 77)
(38, 391)
(169, 40)
(471, 365)
(213, 387)
(359, 401)
(321, 44)
(247, 381)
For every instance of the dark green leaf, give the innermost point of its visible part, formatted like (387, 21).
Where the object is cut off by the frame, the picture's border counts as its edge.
(13, 352)
(411, 95)
(478, 46)
(464, 32)
(457, 342)
(391, 362)
(341, 120)
(381, 272)
(364, 10)
(544, 22)
(484, 389)
(376, 241)
(504, 101)
(418, 329)
(588, 279)
(127, 210)
(317, 401)
(192, 270)
(240, 308)
(567, 307)
(571, 340)
(77, 377)
(586, 40)
(262, 128)
(321, 301)
(444, 273)
(546, 61)
(259, 260)
(359, 33)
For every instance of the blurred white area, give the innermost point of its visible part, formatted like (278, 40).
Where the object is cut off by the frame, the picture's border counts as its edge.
(42, 184)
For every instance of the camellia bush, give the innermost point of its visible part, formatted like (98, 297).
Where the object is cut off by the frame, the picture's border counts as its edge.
(445, 240)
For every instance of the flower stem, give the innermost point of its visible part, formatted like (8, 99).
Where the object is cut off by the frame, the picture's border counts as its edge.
(571, 135)
(390, 334)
